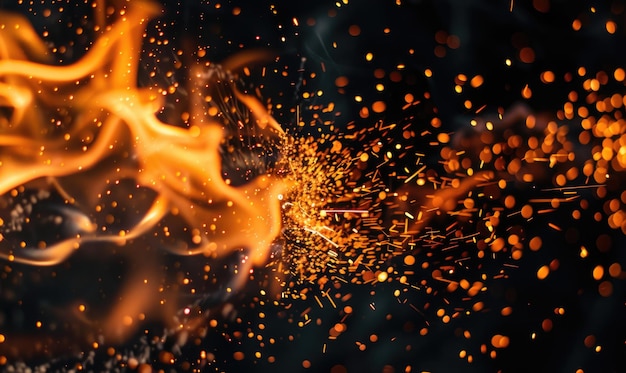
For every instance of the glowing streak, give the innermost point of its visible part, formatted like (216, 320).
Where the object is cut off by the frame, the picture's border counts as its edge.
(321, 235)
(325, 212)
(573, 187)
(415, 174)
(550, 200)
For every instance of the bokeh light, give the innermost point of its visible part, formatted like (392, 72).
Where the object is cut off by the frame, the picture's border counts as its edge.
(332, 186)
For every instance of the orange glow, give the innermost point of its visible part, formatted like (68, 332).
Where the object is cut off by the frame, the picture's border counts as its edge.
(115, 119)
(111, 133)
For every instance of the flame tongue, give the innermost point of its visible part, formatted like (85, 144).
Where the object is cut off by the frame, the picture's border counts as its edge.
(108, 132)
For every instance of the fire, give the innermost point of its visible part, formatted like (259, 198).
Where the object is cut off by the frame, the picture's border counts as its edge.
(111, 130)
(94, 165)
(79, 130)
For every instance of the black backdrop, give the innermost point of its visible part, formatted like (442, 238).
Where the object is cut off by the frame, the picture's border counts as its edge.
(422, 36)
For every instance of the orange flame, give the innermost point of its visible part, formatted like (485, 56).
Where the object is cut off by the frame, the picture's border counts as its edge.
(108, 131)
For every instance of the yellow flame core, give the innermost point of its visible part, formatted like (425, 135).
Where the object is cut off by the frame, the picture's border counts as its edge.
(107, 130)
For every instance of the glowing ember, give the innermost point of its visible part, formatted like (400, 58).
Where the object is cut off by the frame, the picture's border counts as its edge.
(375, 223)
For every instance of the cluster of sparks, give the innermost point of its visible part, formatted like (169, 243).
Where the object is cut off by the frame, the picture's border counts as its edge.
(366, 205)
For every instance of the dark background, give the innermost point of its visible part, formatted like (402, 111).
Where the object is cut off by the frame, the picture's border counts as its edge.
(488, 33)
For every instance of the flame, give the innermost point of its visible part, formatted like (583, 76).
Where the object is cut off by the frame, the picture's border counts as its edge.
(80, 128)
